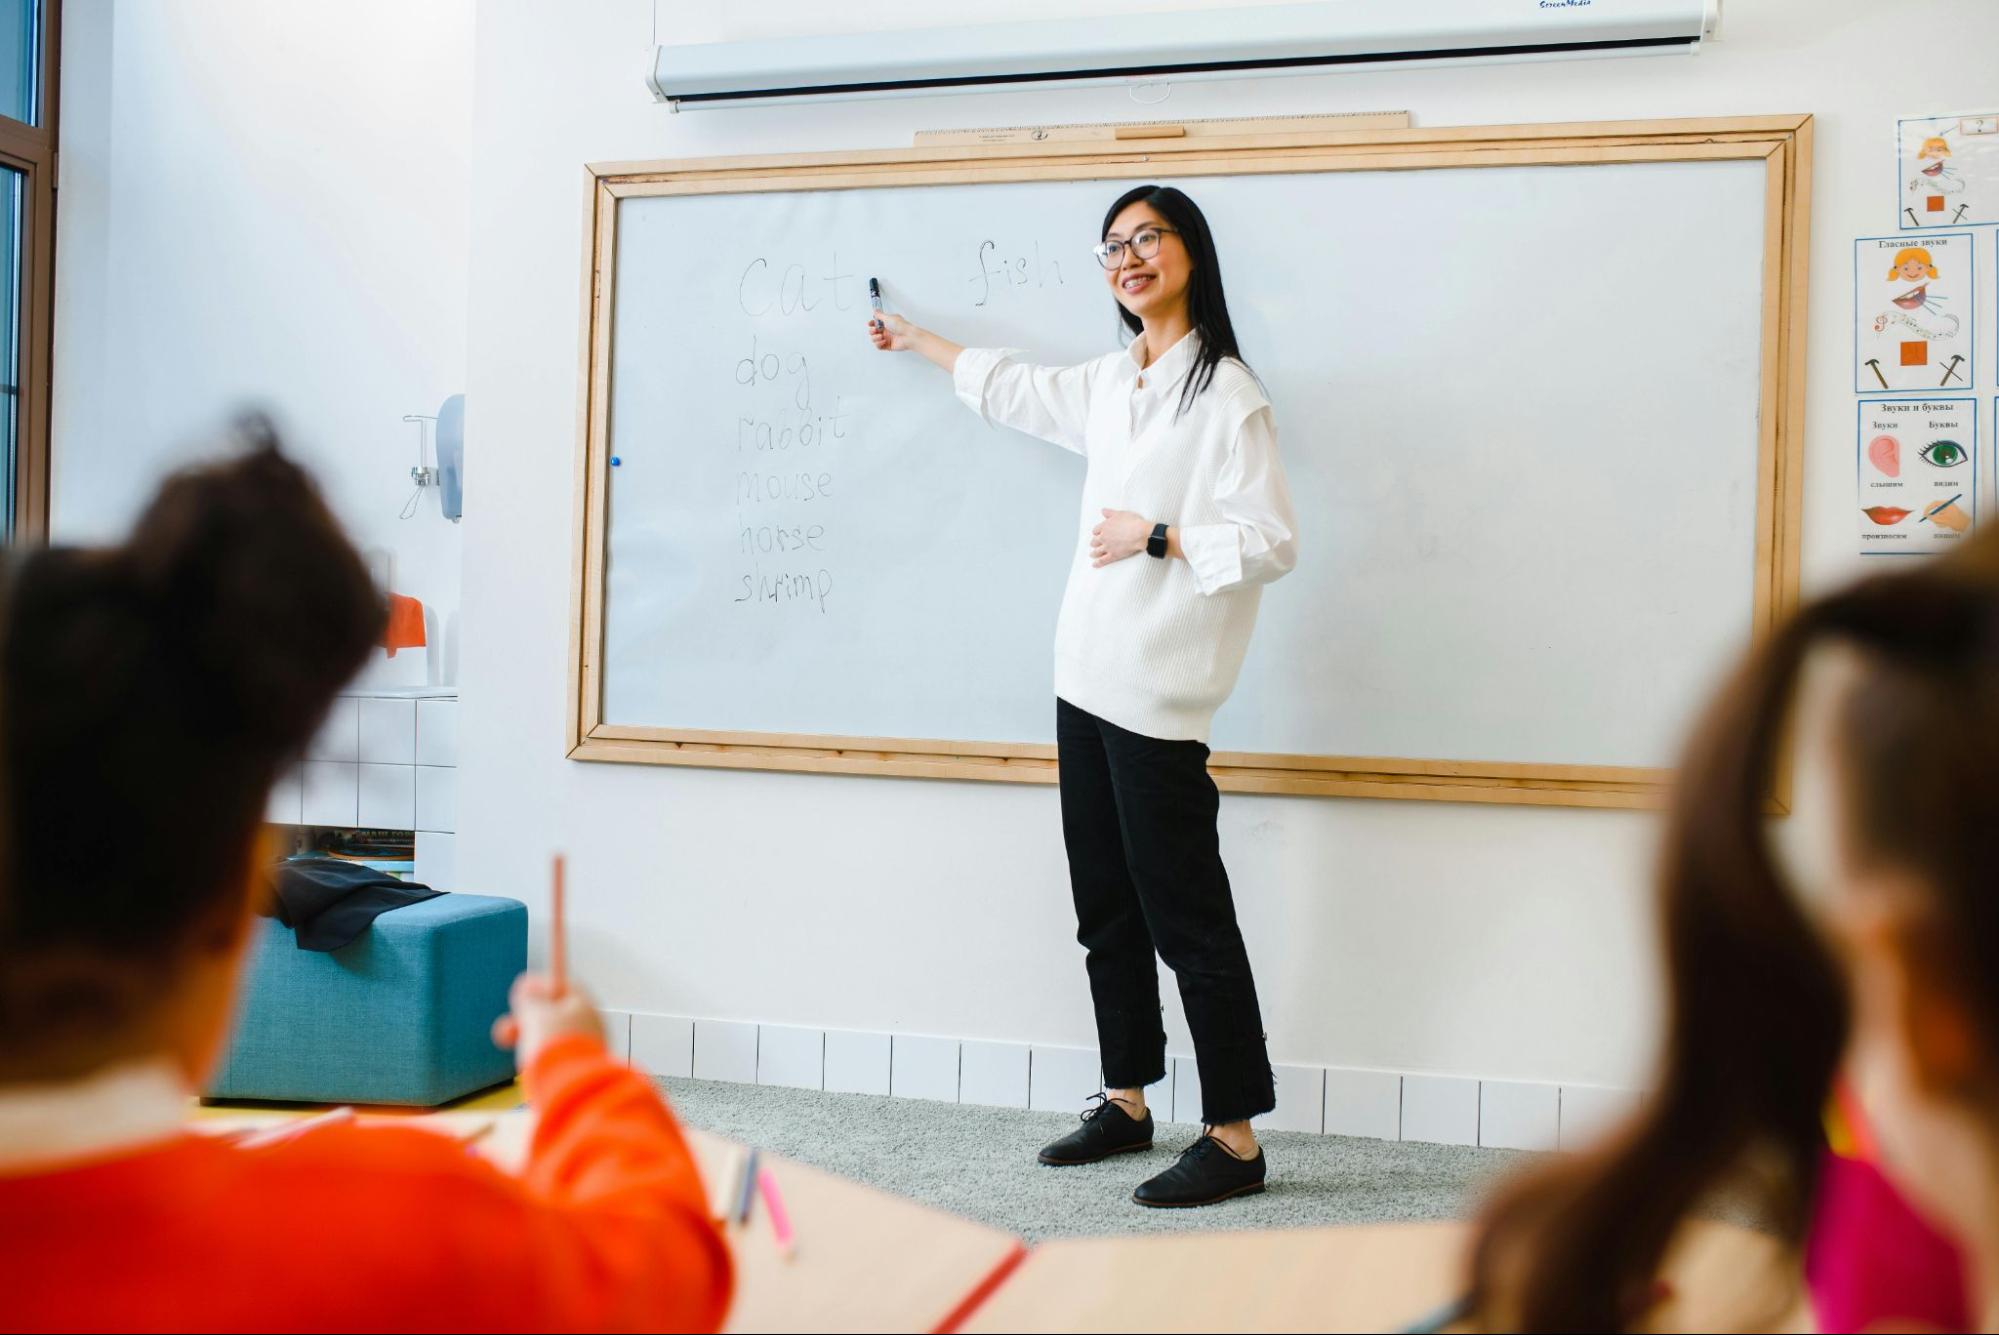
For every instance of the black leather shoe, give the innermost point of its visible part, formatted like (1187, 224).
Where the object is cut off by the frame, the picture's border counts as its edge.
(1107, 1129)
(1207, 1171)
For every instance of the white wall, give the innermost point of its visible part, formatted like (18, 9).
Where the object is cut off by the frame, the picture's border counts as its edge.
(1502, 942)
(265, 204)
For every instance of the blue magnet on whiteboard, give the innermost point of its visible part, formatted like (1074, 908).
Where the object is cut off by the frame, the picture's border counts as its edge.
(615, 461)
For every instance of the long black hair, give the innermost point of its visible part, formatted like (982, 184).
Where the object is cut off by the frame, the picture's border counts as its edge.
(156, 689)
(1207, 308)
(1758, 1003)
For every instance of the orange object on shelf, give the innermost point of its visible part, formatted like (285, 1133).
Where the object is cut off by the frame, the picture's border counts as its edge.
(405, 627)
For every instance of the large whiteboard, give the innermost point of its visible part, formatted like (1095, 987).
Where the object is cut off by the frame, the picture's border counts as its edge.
(1519, 407)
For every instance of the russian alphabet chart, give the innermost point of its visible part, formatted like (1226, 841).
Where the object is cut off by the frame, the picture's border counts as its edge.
(1918, 474)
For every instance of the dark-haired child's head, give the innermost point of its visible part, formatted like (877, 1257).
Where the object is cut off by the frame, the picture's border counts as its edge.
(1910, 730)
(152, 692)
(1868, 946)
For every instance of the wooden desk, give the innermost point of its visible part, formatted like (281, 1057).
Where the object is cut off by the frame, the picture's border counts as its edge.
(1376, 1277)
(864, 1261)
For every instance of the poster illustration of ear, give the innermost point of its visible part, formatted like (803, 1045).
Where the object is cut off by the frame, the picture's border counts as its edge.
(1917, 474)
(1947, 171)
(1914, 307)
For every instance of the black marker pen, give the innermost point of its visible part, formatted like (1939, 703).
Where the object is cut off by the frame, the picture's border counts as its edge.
(875, 300)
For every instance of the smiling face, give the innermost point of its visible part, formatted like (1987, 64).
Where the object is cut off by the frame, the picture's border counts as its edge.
(1912, 271)
(1148, 287)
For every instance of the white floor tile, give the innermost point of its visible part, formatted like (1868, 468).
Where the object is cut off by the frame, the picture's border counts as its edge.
(1517, 1115)
(618, 1033)
(1186, 1091)
(857, 1063)
(387, 796)
(993, 1074)
(1062, 1079)
(1301, 1100)
(724, 1050)
(332, 793)
(795, 1058)
(1364, 1103)
(1441, 1109)
(921, 1067)
(437, 860)
(287, 799)
(664, 1045)
(1589, 1112)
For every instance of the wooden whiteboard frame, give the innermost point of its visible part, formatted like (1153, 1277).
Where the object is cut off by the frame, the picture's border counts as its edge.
(1783, 143)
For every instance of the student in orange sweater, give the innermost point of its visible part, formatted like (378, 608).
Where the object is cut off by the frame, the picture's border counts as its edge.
(152, 692)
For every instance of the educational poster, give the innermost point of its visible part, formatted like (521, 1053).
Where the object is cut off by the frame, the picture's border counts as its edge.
(1918, 474)
(1947, 171)
(1914, 313)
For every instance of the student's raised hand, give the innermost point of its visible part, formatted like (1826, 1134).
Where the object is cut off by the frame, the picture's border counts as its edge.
(891, 333)
(537, 1017)
(1121, 534)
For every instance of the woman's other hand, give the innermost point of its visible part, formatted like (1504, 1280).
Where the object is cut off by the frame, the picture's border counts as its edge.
(1121, 534)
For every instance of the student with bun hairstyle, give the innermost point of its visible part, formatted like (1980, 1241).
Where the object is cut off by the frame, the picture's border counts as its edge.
(151, 693)
(1863, 977)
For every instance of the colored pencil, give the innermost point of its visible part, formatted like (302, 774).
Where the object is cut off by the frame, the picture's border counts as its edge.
(749, 1189)
(277, 1135)
(780, 1221)
(738, 1161)
(558, 944)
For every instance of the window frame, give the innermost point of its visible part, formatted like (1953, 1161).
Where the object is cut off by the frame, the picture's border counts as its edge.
(31, 150)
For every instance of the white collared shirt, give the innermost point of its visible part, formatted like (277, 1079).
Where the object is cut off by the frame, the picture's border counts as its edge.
(1154, 646)
(107, 1112)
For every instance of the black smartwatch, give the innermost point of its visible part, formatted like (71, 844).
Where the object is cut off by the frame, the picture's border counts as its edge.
(1156, 544)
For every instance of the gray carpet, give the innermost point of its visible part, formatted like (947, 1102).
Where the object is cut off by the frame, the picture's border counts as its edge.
(979, 1162)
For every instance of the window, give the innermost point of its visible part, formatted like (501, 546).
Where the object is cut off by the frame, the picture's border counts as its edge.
(29, 42)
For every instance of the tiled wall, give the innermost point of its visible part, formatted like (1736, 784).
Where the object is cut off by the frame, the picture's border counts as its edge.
(1380, 1105)
(386, 762)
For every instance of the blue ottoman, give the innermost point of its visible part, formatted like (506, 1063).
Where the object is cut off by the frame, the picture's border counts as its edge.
(402, 1014)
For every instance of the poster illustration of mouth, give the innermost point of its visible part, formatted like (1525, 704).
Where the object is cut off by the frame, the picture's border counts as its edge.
(1914, 313)
(1917, 474)
(1947, 171)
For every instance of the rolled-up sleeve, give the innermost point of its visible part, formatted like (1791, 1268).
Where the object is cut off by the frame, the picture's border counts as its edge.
(1256, 542)
(1052, 402)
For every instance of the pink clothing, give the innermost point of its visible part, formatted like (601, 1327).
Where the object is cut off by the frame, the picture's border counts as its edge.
(1872, 1260)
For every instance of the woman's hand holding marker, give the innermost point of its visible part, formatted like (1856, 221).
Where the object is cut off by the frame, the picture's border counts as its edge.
(892, 333)
(1121, 534)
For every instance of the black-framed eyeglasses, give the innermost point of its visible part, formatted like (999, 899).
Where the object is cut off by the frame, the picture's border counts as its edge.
(1144, 243)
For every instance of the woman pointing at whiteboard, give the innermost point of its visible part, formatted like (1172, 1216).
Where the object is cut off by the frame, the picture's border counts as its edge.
(1185, 516)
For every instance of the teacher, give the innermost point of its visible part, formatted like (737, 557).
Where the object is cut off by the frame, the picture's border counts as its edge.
(1185, 517)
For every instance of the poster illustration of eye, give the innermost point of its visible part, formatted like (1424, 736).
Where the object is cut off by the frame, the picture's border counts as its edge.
(1914, 313)
(1917, 474)
(1947, 171)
